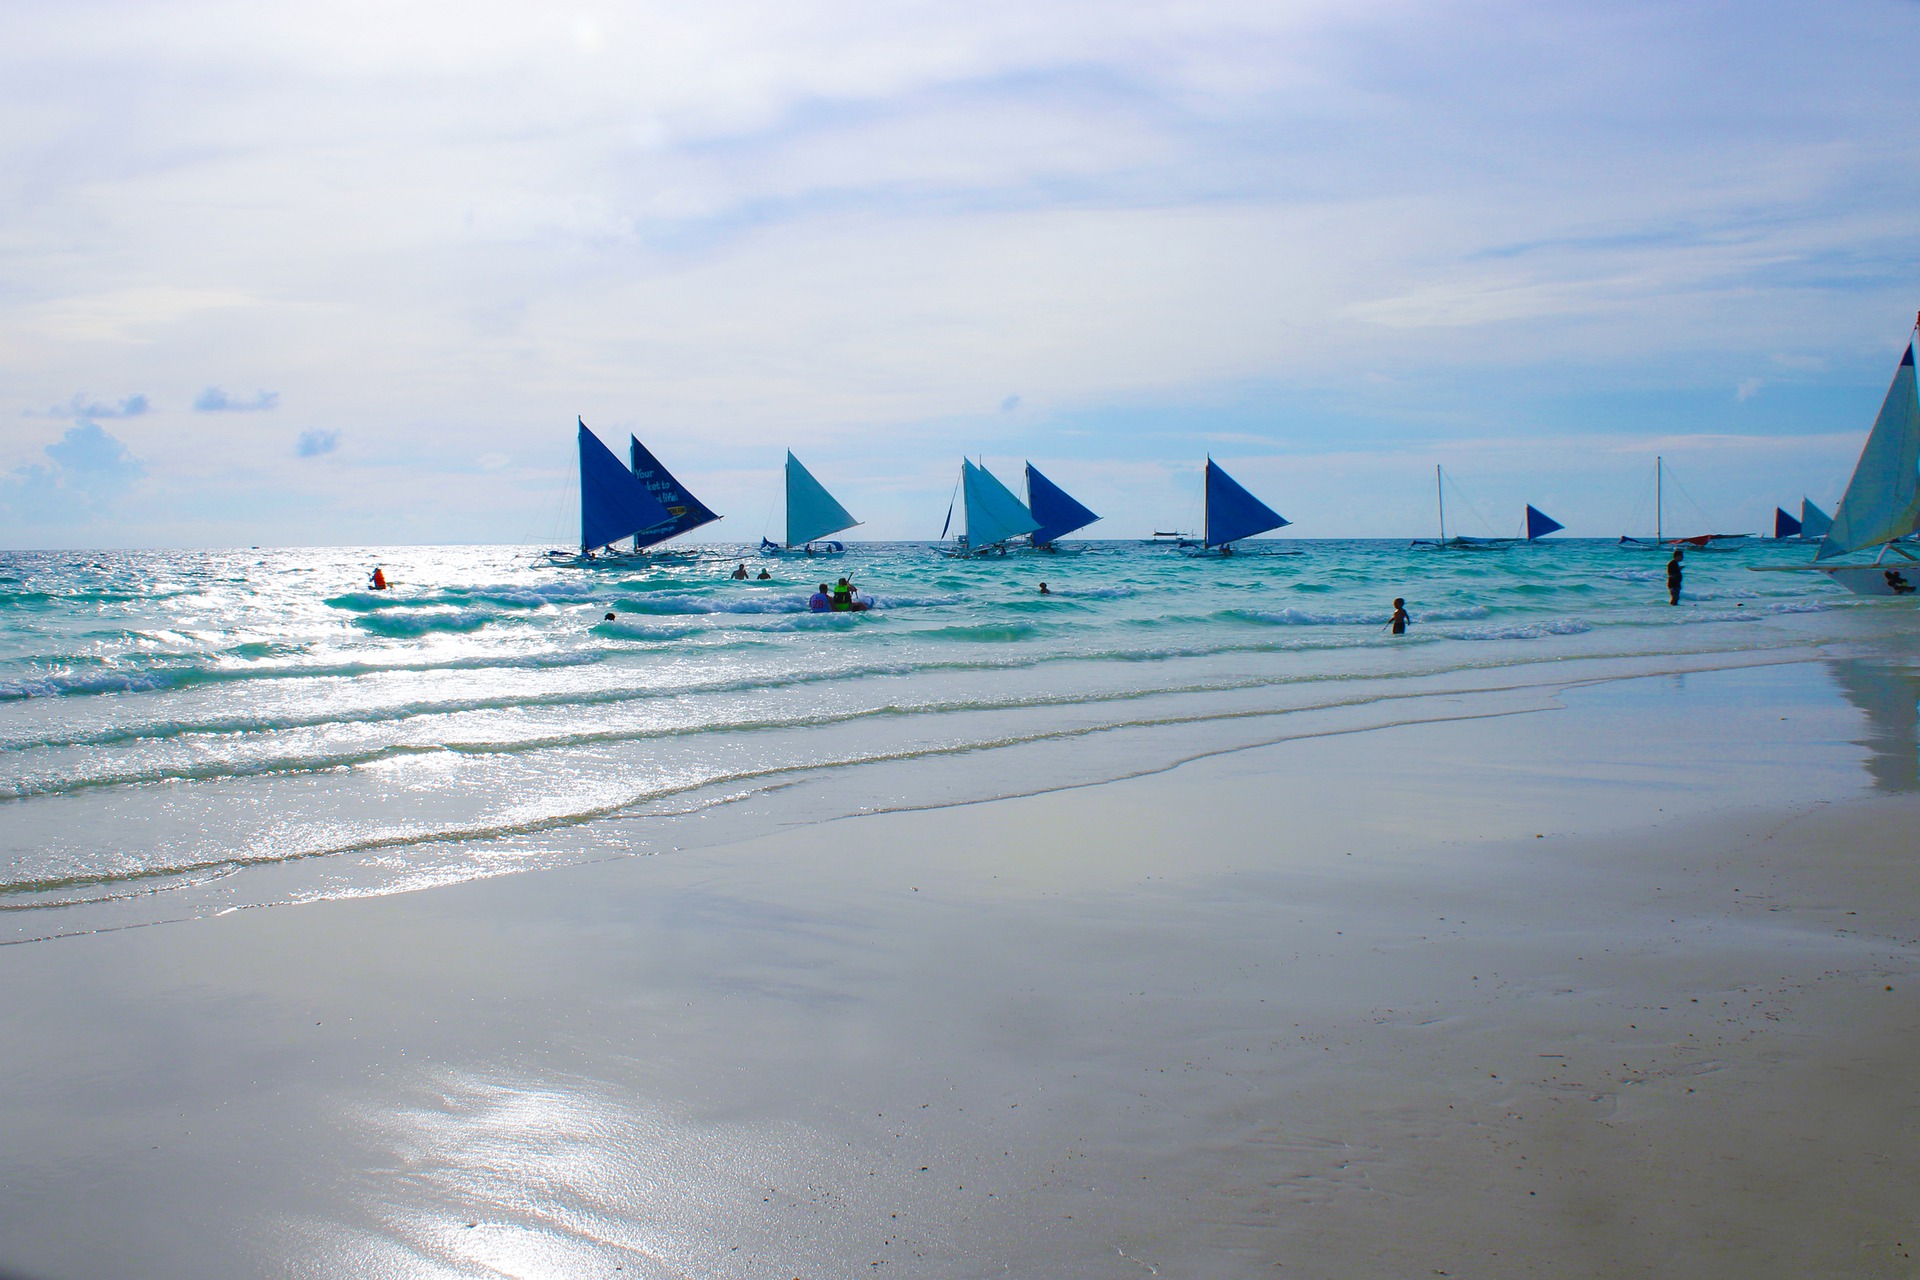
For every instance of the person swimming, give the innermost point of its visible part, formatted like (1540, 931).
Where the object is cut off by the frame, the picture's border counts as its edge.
(1400, 618)
(1044, 591)
(740, 572)
(822, 600)
(765, 576)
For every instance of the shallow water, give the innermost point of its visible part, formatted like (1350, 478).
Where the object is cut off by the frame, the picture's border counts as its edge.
(173, 720)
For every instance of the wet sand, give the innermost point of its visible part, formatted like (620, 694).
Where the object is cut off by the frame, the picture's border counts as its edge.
(1626, 987)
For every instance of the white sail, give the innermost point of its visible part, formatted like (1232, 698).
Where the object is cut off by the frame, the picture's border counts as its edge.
(1882, 501)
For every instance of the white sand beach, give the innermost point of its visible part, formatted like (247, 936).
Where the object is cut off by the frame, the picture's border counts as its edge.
(1620, 982)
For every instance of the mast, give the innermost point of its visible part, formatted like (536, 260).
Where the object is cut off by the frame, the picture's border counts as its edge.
(1440, 496)
(1659, 505)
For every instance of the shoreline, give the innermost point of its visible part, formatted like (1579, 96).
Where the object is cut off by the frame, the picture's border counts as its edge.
(1409, 999)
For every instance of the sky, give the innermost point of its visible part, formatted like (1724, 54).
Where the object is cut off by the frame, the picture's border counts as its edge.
(347, 273)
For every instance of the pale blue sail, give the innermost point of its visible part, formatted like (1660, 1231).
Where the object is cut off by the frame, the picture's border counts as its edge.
(993, 514)
(684, 511)
(812, 512)
(1882, 501)
(1057, 511)
(1540, 524)
(1232, 512)
(1814, 522)
(614, 503)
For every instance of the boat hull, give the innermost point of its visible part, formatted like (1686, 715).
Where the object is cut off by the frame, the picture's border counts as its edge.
(1874, 579)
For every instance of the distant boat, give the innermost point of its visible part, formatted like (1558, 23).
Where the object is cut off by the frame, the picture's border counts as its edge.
(684, 511)
(1693, 542)
(993, 516)
(812, 514)
(1058, 512)
(1882, 501)
(1538, 525)
(614, 504)
(1232, 514)
(1809, 526)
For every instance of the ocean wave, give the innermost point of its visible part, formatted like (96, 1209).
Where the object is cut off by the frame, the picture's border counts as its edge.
(1525, 630)
(1290, 617)
(397, 623)
(63, 684)
(985, 632)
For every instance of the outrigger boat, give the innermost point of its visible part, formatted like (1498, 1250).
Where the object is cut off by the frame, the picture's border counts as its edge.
(1231, 515)
(1058, 512)
(1538, 525)
(993, 516)
(1695, 542)
(812, 514)
(641, 501)
(1882, 503)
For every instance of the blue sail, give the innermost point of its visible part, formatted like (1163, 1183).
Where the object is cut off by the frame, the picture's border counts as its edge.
(1814, 522)
(1232, 512)
(1058, 512)
(993, 513)
(613, 502)
(1540, 524)
(1784, 525)
(683, 510)
(812, 512)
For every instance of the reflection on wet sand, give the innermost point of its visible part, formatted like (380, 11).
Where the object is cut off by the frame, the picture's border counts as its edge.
(1889, 694)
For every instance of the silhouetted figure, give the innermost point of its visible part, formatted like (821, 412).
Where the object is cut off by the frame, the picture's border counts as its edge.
(1673, 577)
(1044, 591)
(1400, 618)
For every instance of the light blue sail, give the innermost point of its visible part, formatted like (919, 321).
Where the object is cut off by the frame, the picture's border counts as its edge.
(1540, 524)
(812, 512)
(1056, 510)
(1882, 501)
(993, 513)
(684, 511)
(1232, 512)
(614, 503)
(1814, 522)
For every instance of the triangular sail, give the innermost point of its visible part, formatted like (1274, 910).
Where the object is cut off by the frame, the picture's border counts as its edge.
(1882, 501)
(1784, 524)
(1232, 512)
(1056, 510)
(993, 513)
(614, 504)
(1540, 524)
(811, 510)
(1814, 522)
(684, 511)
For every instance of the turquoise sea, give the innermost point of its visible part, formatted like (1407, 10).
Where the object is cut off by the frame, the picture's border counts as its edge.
(195, 731)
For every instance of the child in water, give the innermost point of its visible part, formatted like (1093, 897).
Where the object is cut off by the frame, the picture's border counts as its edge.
(1400, 618)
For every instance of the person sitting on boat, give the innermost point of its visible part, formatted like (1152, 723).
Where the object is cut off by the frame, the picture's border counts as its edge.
(1897, 582)
(740, 572)
(765, 576)
(379, 579)
(1400, 618)
(845, 598)
(822, 601)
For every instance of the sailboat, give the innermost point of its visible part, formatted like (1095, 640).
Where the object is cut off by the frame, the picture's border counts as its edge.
(1538, 524)
(1695, 542)
(614, 504)
(1231, 514)
(684, 511)
(1058, 512)
(1882, 501)
(993, 516)
(1810, 525)
(812, 514)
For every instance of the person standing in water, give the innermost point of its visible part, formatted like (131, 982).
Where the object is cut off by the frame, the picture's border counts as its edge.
(822, 601)
(1400, 618)
(1673, 577)
(740, 572)
(379, 579)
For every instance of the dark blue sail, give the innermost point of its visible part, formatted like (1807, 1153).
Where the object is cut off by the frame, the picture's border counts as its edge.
(684, 511)
(1540, 524)
(1784, 525)
(1058, 512)
(1232, 512)
(613, 502)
